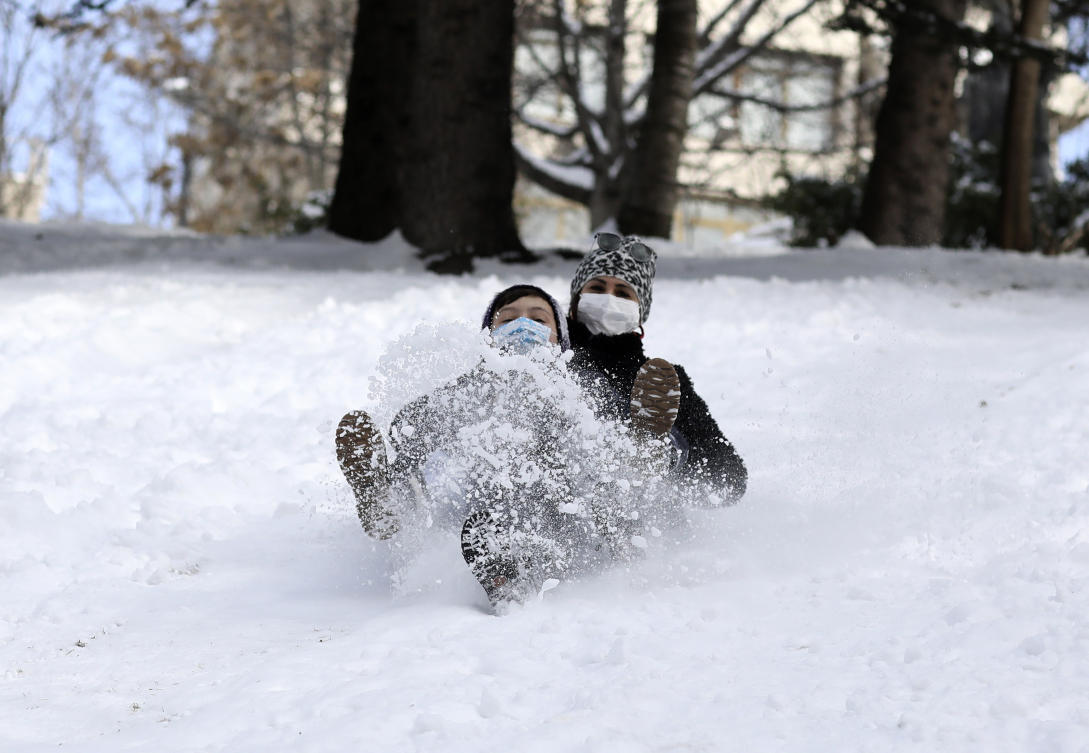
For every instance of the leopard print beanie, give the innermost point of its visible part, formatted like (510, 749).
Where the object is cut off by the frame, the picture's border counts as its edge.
(638, 274)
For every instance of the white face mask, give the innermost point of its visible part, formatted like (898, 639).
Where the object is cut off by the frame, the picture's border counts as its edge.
(605, 314)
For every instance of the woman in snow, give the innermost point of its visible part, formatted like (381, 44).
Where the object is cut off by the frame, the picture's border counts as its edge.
(494, 453)
(610, 302)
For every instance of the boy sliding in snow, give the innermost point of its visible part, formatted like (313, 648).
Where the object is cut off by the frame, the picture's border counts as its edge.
(535, 483)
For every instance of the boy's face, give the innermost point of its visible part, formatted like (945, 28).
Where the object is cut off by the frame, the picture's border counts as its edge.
(531, 307)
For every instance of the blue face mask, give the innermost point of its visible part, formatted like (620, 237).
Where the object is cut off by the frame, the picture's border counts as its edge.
(521, 335)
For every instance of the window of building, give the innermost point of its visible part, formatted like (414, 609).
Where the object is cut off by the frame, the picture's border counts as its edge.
(792, 81)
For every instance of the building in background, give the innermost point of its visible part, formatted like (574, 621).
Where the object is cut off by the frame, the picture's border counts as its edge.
(23, 194)
(805, 106)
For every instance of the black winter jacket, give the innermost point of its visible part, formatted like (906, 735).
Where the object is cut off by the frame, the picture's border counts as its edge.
(711, 459)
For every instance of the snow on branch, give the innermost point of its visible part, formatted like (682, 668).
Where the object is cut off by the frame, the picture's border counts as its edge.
(578, 158)
(708, 71)
(545, 126)
(571, 26)
(573, 182)
(598, 142)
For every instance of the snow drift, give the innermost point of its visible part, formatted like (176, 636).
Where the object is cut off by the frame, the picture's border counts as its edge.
(182, 570)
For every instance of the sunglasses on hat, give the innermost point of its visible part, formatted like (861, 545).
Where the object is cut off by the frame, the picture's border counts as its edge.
(613, 242)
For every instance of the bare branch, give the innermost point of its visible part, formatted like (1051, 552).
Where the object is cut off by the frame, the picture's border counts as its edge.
(709, 72)
(730, 42)
(714, 21)
(527, 44)
(735, 96)
(615, 129)
(544, 126)
(250, 132)
(562, 181)
(571, 78)
(638, 90)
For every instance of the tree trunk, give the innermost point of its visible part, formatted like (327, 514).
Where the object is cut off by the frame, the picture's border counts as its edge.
(458, 187)
(4, 163)
(610, 178)
(604, 203)
(365, 199)
(1015, 211)
(653, 189)
(427, 133)
(904, 199)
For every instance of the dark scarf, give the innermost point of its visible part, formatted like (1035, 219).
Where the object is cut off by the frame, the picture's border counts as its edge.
(617, 356)
(615, 360)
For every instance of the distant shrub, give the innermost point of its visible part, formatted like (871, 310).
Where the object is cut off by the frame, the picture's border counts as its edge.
(1061, 212)
(971, 205)
(313, 213)
(822, 210)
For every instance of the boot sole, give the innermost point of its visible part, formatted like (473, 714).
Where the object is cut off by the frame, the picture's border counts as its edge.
(482, 551)
(361, 454)
(656, 397)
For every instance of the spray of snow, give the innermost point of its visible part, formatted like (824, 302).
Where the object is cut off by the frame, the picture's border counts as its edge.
(517, 436)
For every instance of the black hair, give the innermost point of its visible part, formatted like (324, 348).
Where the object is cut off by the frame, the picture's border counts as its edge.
(512, 294)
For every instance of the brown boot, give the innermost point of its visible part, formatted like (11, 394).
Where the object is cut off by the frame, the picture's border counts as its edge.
(362, 457)
(655, 397)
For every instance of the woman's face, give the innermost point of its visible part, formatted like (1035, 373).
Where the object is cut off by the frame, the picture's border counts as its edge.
(531, 307)
(610, 286)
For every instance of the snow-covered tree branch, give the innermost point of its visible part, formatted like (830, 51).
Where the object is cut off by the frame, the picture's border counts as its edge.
(586, 72)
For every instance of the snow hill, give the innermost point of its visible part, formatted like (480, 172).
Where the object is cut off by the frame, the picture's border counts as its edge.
(181, 568)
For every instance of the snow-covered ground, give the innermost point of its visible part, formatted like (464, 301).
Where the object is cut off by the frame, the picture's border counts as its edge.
(181, 568)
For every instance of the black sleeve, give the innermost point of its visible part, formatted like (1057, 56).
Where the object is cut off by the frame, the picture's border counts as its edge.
(711, 458)
(602, 395)
(429, 422)
(411, 437)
